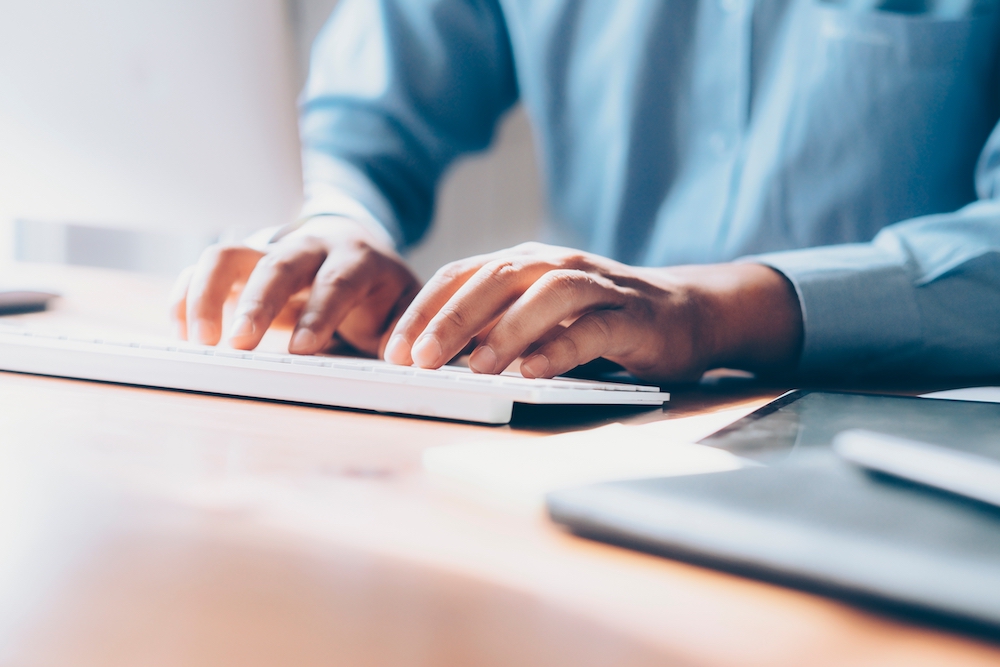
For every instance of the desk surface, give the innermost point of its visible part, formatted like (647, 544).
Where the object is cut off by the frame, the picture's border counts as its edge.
(348, 554)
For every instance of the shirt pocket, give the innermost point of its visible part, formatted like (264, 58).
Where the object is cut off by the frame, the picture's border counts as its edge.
(918, 40)
(888, 115)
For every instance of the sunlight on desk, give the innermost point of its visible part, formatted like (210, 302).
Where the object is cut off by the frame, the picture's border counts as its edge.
(517, 475)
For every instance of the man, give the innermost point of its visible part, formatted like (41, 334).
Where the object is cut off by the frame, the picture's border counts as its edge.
(783, 185)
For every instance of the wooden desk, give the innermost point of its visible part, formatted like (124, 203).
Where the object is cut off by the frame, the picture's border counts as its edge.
(344, 553)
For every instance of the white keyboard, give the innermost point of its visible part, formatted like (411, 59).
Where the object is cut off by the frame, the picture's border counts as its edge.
(449, 393)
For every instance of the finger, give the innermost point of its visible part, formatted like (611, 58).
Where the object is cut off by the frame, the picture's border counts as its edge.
(277, 276)
(555, 297)
(488, 293)
(178, 301)
(212, 280)
(405, 299)
(442, 286)
(340, 284)
(368, 327)
(547, 337)
(594, 335)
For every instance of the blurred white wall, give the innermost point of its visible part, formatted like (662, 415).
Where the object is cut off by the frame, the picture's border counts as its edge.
(6, 239)
(487, 202)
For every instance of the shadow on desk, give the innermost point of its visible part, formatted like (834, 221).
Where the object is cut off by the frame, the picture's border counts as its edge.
(717, 390)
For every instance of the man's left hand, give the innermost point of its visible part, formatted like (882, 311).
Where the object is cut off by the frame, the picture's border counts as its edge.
(562, 308)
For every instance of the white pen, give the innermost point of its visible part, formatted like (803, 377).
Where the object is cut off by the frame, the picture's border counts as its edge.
(952, 470)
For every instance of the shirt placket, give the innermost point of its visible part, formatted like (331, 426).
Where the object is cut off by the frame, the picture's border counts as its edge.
(727, 139)
(718, 118)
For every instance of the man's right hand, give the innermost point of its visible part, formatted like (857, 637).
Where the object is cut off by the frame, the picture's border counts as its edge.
(357, 286)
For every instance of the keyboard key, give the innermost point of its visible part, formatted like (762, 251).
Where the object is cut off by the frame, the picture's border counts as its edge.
(311, 361)
(394, 370)
(351, 365)
(274, 358)
(233, 354)
(434, 374)
(480, 379)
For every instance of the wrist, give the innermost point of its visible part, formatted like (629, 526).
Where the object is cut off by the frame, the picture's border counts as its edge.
(761, 319)
(749, 316)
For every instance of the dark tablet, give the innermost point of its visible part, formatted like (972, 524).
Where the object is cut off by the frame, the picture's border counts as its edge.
(810, 520)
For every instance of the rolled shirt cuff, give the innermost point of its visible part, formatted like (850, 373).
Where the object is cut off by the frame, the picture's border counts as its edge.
(337, 189)
(859, 309)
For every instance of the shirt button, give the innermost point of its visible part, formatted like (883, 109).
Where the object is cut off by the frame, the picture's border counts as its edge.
(731, 6)
(718, 143)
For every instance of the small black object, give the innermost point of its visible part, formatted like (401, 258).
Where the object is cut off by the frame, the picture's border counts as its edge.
(16, 302)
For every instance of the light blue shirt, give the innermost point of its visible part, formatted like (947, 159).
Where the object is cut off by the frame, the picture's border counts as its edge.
(841, 143)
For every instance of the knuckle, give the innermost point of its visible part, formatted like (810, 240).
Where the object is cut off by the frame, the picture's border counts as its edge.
(502, 270)
(454, 317)
(577, 260)
(357, 247)
(566, 257)
(302, 239)
(256, 309)
(450, 272)
(530, 247)
(280, 265)
(339, 281)
(566, 280)
(570, 348)
(312, 320)
(565, 286)
(600, 326)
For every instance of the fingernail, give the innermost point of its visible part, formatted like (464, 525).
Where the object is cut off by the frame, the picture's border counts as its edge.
(303, 340)
(426, 351)
(535, 366)
(483, 360)
(204, 332)
(243, 326)
(395, 350)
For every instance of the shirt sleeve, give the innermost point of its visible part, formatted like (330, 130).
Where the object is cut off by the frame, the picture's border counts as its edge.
(397, 90)
(921, 300)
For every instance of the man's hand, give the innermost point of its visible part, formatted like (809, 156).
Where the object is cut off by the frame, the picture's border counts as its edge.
(564, 308)
(357, 288)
